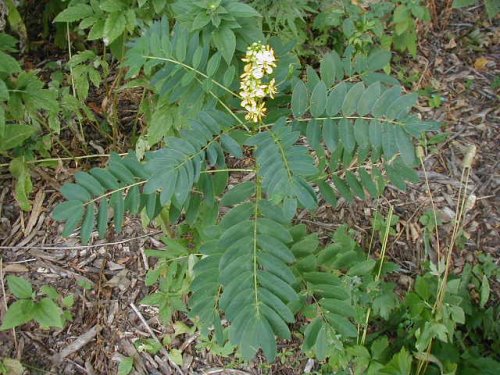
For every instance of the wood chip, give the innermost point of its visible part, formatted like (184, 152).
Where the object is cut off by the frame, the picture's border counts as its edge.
(76, 345)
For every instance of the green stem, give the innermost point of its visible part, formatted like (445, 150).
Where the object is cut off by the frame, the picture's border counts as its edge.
(258, 196)
(337, 118)
(194, 70)
(377, 277)
(74, 158)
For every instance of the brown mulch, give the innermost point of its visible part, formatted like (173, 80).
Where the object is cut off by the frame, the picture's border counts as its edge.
(460, 63)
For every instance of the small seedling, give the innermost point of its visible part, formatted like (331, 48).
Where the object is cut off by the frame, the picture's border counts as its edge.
(29, 306)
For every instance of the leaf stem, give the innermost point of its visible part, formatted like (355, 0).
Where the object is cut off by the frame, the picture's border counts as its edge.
(258, 196)
(194, 70)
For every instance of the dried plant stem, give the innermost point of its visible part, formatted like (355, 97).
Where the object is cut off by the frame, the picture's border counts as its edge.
(379, 272)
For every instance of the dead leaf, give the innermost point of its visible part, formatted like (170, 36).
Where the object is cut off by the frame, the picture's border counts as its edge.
(35, 212)
(451, 44)
(15, 268)
(119, 280)
(481, 63)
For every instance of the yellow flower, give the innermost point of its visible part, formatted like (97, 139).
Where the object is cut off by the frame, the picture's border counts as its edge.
(272, 89)
(260, 61)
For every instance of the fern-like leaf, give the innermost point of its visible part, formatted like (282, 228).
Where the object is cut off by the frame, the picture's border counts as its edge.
(249, 262)
(284, 165)
(363, 126)
(94, 192)
(318, 271)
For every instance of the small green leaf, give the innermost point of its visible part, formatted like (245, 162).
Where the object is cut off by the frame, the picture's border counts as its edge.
(299, 99)
(50, 292)
(74, 13)
(69, 300)
(73, 221)
(330, 134)
(401, 106)
(322, 343)
(343, 188)
(400, 364)
(327, 193)
(361, 134)
(368, 98)
(24, 186)
(126, 366)
(335, 99)
(378, 59)
(350, 104)
(118, 205)
(346, 133)
(105, 178)
(88, 224)
(200, 21)
(48, 314)
(405, 146)
(114, 26)
(90, 183)
(65, 210)
(385, 100)
(17, 314)
(327, 69)
(111, 6)
(76, 192)
(230, 145)
(198, 54)
(485, 291)
(238, 194)
(97, 30)
(462, 3)
(492, 8)
(213, 64)
(367, 182)
(336, 306)
(362, 268)
(311, 334)
(20, 287)
(313, 133)
(4, 91)
(15, 135)
(318, 99)
(354, 184)
(342, 325)
(389, 144)
(8, 64)
(225, 41)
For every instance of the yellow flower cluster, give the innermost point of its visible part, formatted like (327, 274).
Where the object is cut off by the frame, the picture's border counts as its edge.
(260, 62)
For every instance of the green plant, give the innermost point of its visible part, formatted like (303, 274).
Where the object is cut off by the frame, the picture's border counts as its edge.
(111, 20)
(26, 109)
(192, 65)
(354, 118)
(49, 311)
(391, 24)
(84, 70)
(172, 275)
(286, 19)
